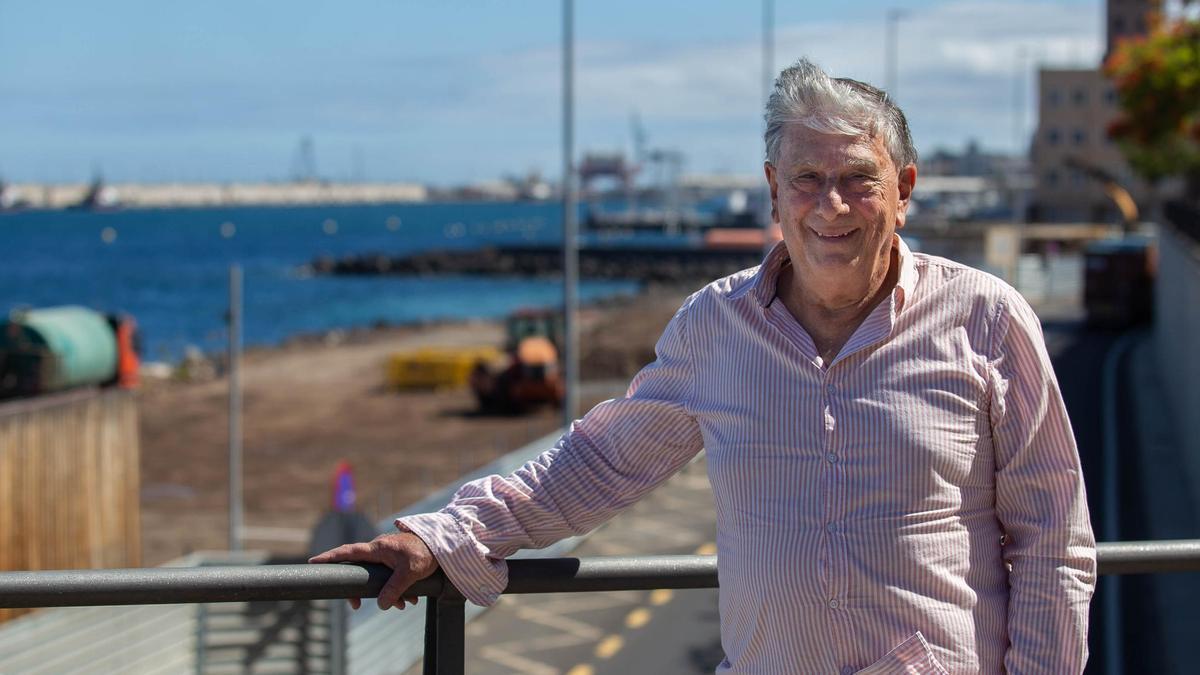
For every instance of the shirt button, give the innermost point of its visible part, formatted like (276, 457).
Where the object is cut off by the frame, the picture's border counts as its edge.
(834, 604)
(849, 670)
(832, 457)
(831, 528)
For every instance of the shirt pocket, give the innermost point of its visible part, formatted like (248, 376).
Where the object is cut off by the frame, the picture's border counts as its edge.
(911, 657)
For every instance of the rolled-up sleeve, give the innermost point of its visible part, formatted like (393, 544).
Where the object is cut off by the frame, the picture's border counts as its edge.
(1040, 501)
(612, 457)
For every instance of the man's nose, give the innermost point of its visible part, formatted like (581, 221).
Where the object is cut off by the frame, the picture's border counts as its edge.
(831, 205)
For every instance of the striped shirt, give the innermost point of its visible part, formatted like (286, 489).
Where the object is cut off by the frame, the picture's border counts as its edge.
(915, 505)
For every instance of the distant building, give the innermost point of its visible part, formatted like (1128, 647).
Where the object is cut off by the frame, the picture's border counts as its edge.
(973, 161)
(1075, 109)
(1126, 19)
(498, 190)
(970, 185)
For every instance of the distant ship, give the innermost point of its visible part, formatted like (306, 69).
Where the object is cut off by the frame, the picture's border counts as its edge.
(11, 199)
(735, 212)
(99, 197)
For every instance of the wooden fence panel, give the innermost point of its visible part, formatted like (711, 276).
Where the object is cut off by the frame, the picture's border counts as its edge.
(69, 482)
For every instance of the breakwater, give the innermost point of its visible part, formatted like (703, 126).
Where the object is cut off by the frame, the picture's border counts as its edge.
(207, 195)
(658, 264)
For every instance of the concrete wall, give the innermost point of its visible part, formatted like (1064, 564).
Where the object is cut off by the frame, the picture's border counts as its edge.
(1177, 332)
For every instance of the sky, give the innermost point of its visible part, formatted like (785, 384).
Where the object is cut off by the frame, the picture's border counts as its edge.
(466, 90)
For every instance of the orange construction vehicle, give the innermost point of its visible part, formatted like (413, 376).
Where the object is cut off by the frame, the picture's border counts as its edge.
(528, 374)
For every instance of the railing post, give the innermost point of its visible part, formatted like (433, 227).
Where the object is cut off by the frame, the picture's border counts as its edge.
(338, 625)
(445, 637)
(201, 637)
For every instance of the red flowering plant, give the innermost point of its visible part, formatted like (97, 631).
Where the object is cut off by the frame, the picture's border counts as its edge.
(1157, 80)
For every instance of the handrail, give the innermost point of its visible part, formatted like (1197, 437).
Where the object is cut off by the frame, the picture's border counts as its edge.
(1148, 557)
(170, 585)
(445, 612)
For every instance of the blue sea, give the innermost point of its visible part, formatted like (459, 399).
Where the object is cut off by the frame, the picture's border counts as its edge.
(169, 268)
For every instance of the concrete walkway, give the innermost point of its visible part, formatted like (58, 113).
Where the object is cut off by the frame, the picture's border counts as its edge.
(620, 632)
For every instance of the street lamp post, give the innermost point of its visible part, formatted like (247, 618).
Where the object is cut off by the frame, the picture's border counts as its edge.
(891, 58)
(768, 47)
(768, 82)
(570, 226)
(235, 408)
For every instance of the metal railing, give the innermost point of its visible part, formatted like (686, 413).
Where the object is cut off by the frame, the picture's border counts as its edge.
(444, 622)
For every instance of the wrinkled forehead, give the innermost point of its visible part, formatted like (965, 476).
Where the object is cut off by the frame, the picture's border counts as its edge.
(803, 145)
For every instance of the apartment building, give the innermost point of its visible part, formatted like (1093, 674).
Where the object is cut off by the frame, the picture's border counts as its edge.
(1075, 109)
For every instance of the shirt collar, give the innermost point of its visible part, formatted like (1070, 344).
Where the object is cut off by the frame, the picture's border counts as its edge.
(767, 278)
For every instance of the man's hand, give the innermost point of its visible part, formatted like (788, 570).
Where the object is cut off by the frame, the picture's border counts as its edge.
(404, 552)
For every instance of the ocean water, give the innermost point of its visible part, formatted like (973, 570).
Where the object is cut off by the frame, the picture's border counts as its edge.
(169, 268)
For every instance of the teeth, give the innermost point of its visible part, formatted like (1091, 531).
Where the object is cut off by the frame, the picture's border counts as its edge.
(833, 236)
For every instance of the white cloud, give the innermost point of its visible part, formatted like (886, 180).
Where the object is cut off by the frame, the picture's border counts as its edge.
(475, 116)
(958, 64)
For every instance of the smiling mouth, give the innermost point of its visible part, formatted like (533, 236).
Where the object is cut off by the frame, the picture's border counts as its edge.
(834, 237)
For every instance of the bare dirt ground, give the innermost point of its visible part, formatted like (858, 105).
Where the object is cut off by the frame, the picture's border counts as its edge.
(312, 403)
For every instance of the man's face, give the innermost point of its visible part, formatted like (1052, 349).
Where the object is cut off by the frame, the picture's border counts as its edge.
(838, 200)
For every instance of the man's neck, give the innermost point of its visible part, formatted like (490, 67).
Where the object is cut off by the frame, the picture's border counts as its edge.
(831, 319)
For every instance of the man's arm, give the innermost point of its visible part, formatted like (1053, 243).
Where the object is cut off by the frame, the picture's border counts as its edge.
(617, 453)
(1040, 502)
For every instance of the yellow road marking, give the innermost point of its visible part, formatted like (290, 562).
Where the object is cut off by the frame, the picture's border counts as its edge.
(582, 669)
(661, 596)
(707, 549)
(637, 618)
(609, 646)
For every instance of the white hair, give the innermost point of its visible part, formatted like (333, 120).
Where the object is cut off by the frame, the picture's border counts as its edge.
(804, 94)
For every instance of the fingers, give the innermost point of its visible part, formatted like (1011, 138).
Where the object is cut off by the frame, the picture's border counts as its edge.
(363, 552)
(389, 595)
(406, 554)
(356, 603)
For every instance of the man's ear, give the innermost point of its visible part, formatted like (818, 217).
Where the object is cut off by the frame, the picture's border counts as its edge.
(773, 183)
(907, 180)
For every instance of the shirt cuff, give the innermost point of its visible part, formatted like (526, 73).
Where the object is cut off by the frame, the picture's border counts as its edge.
(480, 578)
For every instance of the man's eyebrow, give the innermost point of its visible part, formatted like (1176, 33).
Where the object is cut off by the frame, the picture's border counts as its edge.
(864, 165)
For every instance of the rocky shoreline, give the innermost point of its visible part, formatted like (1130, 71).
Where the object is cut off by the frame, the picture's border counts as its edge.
(648, 263)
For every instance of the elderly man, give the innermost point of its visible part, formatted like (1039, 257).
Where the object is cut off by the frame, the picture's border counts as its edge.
(896, 482)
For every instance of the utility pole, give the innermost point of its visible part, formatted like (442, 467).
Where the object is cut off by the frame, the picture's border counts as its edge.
(768, 48)
(570, 224)
(768, 84)
(1019, 89)
(235, 408)
(891, 58)
(1020, 142)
